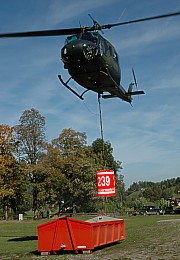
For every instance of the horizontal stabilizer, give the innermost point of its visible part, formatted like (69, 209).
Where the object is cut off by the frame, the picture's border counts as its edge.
(134, 93)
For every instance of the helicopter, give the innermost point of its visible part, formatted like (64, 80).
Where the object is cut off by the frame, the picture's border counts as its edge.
(91, 60)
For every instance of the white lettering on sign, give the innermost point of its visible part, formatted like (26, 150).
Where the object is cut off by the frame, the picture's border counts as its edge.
(103, 181)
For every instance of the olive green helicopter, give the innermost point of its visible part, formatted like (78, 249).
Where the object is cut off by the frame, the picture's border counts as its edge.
(92, 60)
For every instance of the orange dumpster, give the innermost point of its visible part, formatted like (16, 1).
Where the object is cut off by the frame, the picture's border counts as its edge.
(69, 234)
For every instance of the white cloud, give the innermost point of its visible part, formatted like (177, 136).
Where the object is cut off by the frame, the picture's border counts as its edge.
(136, 38)
(61, 11)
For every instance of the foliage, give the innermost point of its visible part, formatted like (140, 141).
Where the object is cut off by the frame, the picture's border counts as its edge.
(162, 203)
(157, 193)
(30, 140)
(77, 166)
(30, 136)
(60, 173)
(105, 157)
(12, 177)
(152, 194)
(6, 137)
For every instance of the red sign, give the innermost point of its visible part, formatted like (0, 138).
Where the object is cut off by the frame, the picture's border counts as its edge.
(105, 183)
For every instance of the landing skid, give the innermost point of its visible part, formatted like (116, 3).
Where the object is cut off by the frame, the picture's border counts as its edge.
(72, 90)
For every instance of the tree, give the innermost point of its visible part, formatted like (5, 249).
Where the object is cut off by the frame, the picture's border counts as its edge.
(133, 187)
(107, 160)
(153, 194)
(53, 181)
(120, 190)
(78, 167)
(30, 136)
(70, 142)
(6, 137)
(11, 175)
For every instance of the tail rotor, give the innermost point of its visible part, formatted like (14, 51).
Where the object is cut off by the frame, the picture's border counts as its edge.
(130, 89)
(135, 81)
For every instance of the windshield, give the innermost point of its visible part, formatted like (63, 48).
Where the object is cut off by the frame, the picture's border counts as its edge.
(71, 38)
(88, 36)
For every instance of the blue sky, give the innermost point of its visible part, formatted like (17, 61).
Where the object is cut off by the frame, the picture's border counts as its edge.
(145, 137)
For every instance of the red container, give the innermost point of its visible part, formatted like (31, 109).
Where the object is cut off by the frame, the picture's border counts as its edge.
(66, 234)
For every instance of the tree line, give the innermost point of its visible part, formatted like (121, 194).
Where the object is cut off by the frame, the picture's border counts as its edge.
(61, 174)
(147, 192)
(36, 174)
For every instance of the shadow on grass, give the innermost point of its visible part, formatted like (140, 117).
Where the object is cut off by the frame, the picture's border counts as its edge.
(35, 253)
(20, 239)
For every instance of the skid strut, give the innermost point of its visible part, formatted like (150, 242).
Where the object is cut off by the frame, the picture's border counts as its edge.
(72, 90)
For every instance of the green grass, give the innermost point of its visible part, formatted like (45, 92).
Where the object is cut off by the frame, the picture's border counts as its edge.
(18, 240)
(151, 236)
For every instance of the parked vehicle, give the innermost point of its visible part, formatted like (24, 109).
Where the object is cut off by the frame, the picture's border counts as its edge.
(151, 210)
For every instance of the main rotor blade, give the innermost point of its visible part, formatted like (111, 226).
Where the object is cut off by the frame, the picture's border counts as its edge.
(108, 26)
(80, 29)
(42, 33)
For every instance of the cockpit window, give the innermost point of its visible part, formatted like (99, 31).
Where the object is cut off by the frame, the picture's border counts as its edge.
(71, 38)
(90, 36)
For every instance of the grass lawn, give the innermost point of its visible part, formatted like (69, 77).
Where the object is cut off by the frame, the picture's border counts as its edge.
(147, 237)
(17, 238)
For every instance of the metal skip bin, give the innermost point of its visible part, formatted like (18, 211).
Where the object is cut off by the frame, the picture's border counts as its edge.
(69, 234)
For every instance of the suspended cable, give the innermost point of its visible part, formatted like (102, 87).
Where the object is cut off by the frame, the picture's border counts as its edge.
(101, 127)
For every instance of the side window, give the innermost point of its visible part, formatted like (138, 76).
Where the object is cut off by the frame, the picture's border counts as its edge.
(106, 48)
(111, 51)
(115, 56)
(101, 46)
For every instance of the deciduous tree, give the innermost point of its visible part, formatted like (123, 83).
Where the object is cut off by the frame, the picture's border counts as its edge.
(107, 159)
(78, 167)
(30, 136)
(12, 178)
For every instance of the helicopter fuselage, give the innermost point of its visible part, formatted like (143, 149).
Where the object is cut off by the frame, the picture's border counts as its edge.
(93, 63)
